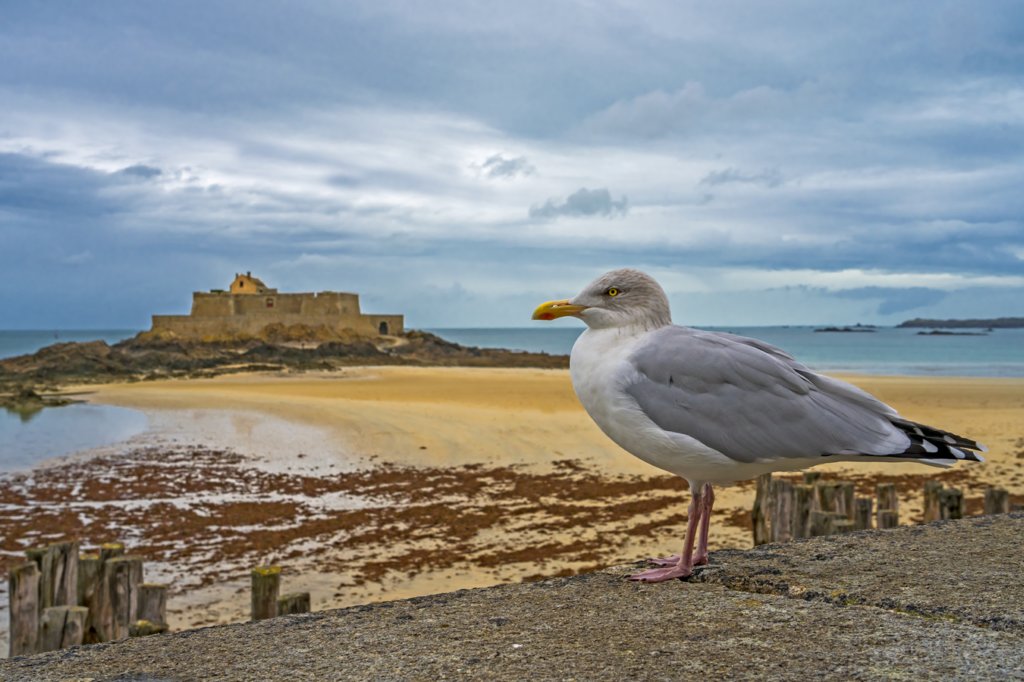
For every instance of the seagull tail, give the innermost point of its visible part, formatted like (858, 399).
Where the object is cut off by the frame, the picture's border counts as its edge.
(935, 446)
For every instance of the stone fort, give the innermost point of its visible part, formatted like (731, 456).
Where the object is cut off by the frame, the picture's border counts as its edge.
(249, 306)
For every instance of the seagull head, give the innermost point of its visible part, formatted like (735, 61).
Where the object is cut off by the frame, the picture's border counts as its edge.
(620, 298)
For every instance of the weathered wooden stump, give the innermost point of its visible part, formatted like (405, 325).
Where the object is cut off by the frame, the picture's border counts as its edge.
(153, 603)
(824, 496)
(997, 501)
(109, 550)
(844, 496)
(61, 627)
(266, 586)
(59, 579)
(144, 628)
(887, 518)
(89, 571)
(887, 498)
(951, 503)
(293, 602)
(23, 592)
(821, 523)
(117, 597)
(931, 501)
(862, 513)
(761, 513)
(782, 511)
(803, 503)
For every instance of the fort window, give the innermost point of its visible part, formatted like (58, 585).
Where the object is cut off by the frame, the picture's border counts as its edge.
(270, 303)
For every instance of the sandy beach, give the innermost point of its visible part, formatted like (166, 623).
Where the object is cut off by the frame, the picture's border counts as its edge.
(386, 482)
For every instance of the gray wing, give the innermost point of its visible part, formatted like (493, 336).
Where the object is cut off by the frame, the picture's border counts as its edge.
(752, 401)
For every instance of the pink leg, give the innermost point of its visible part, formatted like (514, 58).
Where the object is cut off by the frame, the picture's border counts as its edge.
(708, 500)
(700, 557)
(684, 566)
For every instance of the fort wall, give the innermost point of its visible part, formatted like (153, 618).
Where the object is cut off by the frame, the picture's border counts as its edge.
(221, 313)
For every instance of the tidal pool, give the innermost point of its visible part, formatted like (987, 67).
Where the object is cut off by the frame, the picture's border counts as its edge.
(29, 438)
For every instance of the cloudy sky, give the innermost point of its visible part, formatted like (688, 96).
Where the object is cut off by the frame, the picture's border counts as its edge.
(459, 162)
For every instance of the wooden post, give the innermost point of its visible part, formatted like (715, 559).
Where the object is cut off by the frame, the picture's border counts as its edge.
(59, 578)
(109, 550)
(760, 513)
(862, 513)
(102, 626)
(887, 518)
(35, 555)
(782, 511)
(23, 592)
(844, 499)
(887, 498)
(266, 586)
(803, 502)
(997, 501)
(153, 603)
(117, 597)
(144, 628)
(89, 570)
(824, 496)
(821, 523)
(951, 503)
(931, 501)
(293, 602)
(61, 627)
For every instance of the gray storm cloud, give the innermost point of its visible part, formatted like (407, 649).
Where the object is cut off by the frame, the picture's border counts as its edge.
(582, 202)
(499, 166)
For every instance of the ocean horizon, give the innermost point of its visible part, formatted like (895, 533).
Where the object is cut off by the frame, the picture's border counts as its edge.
(884, 351)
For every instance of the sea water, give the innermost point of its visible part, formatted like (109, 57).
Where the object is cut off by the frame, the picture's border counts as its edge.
(28, 438)
(886, 350)
(24, 341)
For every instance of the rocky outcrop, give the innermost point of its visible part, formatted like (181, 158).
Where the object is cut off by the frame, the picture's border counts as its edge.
(153, 355)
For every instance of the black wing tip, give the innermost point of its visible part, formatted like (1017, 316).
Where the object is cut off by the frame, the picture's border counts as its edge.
(927, 442)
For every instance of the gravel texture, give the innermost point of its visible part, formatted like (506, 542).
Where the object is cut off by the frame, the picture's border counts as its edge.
(929, 602)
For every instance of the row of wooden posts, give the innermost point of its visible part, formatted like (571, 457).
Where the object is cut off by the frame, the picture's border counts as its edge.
(60, 598)
(785, 511)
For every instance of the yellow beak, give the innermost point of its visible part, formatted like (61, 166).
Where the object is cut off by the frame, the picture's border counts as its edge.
(553, 309)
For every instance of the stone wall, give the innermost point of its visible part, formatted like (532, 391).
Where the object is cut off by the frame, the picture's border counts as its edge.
(218, 314)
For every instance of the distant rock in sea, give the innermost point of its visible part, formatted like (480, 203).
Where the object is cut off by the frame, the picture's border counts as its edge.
(983, 323)
(939, 332)
(855, 328)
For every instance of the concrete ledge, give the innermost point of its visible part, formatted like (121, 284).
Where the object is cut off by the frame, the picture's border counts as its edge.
(921, 602)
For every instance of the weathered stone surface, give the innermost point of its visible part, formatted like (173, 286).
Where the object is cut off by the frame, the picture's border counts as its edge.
(940, 602)
(969, 570)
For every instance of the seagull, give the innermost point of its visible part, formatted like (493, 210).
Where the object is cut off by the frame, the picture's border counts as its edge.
(717, 408)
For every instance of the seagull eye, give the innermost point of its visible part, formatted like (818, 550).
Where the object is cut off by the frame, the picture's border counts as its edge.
(612, 291)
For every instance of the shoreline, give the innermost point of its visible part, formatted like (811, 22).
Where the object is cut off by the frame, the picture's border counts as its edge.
(373, 483)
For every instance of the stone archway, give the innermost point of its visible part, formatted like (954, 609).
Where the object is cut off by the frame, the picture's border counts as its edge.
(383, 328)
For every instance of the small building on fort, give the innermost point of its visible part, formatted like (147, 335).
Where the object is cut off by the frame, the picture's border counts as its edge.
(249, 306)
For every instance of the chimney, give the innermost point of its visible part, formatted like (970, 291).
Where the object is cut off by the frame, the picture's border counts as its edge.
(248, 273)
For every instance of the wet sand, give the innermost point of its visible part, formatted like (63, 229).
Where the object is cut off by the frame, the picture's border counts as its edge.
(382, 483)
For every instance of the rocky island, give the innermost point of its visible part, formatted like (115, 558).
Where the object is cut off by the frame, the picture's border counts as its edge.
(981, 323)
